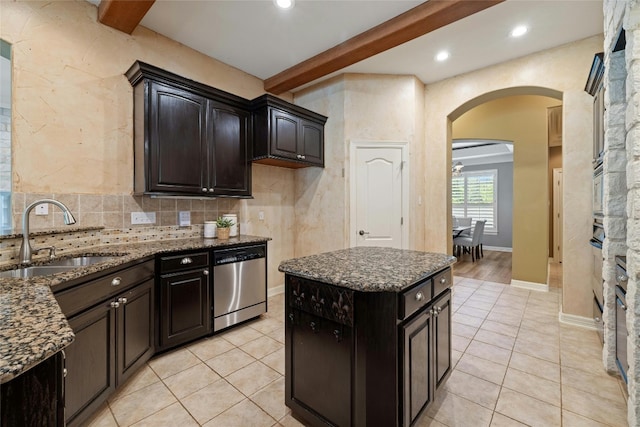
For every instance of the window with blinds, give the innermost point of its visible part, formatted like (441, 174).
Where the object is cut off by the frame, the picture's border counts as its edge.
(475, 194)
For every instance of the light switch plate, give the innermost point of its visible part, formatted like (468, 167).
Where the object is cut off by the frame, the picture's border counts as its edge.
(42, 209)
(184, 218)
(143, 218)
(261, 215)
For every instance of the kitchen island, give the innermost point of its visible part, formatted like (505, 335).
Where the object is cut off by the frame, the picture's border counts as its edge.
(367, 335)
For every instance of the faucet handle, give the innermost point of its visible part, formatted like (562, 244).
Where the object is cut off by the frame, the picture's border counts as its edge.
(52, 251)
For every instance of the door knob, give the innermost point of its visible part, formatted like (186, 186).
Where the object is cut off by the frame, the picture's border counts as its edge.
(362, 232)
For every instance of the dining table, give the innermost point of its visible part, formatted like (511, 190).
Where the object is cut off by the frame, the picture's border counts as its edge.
(458, 230)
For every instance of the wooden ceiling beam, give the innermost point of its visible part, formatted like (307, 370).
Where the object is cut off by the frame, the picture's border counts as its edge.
(123, 15)
(416, 22)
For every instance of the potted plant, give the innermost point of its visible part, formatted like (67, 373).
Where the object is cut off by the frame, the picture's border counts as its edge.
(223, 225)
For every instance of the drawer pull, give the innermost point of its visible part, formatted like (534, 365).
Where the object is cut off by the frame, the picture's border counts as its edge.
(205, 272)
(122, 301)
(116, 281)
(443, 280)
(115, 304)
(314, 327)
(419, 296)
(186, 260)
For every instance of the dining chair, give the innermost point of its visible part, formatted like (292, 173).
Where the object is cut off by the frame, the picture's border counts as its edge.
(473, 242)
(465, 222)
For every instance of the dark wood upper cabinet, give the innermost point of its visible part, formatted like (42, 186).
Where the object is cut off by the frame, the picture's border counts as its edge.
(286, 135)
(190, 139)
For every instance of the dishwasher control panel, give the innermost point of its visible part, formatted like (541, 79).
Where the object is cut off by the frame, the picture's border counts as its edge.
(246, 253)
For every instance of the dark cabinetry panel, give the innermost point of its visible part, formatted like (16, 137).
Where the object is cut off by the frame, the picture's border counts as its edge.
(190, 138)
(35, 398)
(286, 134)
(185, 299)
(113, 337)
(417, 366)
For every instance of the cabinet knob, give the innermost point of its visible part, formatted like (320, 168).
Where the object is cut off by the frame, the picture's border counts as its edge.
(122, 300)
(298, 156)
(303, 157)
(116, 281)
(419, 296)
(205, 272)
(186, 260)
(64, 372)
(115, 304)
(597, 319)
(204, 189)
(443, 280)
(439, 310)
(211, 190)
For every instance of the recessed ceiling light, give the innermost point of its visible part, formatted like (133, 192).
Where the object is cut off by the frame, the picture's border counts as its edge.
(518, 31)
(442, 56)
(284, 4)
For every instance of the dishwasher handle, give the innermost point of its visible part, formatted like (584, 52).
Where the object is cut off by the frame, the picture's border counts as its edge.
(229, 256)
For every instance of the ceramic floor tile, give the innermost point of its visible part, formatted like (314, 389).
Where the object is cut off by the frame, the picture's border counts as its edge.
(459, 343)
(252, 377)
(455, 357)
(535, 337)
(508, 310)
(505, 318)
(210, 347)
(591, 406)
(229, 362)
(500, 420)
(191, 380)
(171, 416)
(472, 388)
(463, 330)
(533, 365)
(489, 352)
(541, 351)
(482, 290)
(482, 368)
(261, 347)
(171, 363)
(289, 421)
(102, 418)
(211, 401)
(532, 385)
(501, 328)
(576, 356)
(275, 361)
(551, 328)
(467, 320)
(239, 336)
(271, 399)
(265, 324)
(569, 419)
(245, 413)
(493, 286)
(425, 421)
(453, 410)
(277, 334)
(471, 311)
(527, 410)
(141, 379)
(482, 305)
(499, 340)
(484, 297)
(142, 403)
(607, 386)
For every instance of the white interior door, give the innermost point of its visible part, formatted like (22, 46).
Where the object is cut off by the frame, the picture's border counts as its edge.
(378, 208)
(557, 215)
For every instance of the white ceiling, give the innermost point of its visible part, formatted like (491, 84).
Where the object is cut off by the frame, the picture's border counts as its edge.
(481, 151)
(258, 38)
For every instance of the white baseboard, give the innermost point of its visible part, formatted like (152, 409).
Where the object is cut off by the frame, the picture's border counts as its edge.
(580, 321)
(497, 248)
(532, 286)
(276, 290)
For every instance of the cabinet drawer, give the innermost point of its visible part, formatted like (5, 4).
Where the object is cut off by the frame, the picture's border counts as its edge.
(325, 301)
(442, 281)
(415, 298)
(87, 294)
(189, 261)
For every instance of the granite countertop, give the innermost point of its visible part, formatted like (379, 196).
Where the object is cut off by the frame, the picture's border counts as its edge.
(32, 326)
(368, 269)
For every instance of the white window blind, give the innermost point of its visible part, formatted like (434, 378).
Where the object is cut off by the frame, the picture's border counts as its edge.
(475, 194)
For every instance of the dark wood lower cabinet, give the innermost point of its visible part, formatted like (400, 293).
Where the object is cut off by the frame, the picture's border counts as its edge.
(36, 397)
(365, 358)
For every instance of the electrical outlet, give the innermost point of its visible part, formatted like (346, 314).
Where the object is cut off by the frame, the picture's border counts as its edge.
(143, 218)
(42, 209)
(261, 215)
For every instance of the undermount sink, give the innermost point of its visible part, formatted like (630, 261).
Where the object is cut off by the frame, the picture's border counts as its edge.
(56, 266)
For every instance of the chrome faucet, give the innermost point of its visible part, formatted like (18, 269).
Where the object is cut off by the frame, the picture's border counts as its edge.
(26, 251)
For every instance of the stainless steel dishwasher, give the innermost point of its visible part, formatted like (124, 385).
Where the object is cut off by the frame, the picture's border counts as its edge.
(239, 285)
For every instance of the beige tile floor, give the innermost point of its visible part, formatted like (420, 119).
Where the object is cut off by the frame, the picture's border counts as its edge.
(515, 365)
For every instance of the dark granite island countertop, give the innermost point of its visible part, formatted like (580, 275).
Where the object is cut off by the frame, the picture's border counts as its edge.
(32, 326)
(368, 269)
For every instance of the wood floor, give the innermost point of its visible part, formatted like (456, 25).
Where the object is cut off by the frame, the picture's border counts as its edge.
(494, 267)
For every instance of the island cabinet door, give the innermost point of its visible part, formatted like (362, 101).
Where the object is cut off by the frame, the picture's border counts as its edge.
(320, 358)
(416, 366)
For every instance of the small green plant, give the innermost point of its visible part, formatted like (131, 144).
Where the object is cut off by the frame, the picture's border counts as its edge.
(224, 222)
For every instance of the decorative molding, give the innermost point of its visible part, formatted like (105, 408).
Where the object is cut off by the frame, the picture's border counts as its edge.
(580, 321)
(276, 290)
(532, 286)
(496, 248)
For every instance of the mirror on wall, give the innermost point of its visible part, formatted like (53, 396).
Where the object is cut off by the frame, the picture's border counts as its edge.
(5, 137)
